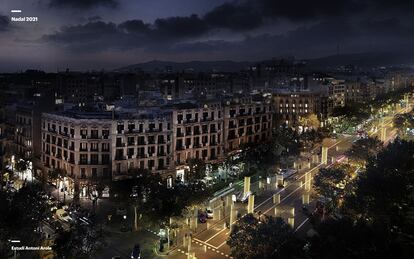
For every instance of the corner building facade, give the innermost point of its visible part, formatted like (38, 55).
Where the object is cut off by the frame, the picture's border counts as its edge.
(105, 145)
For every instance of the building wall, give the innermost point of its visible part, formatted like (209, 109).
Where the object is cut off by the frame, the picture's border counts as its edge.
(23, 137)
(109, 147)
(197, 133)
(289, 107)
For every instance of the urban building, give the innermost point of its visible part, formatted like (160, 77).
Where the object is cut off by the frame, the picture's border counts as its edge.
(290, 106)
(92, 145)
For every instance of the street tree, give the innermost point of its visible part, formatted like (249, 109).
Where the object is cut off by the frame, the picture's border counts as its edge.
(330, 183)
(21, 214)
(403, 122)
(197, 170)
(385, 191)
(309, 121)
(344, 238)
(80, 241)
(152, 199)
(55, 175)
(363, 149)
(21, 166)
(376, 217)
(266, 238)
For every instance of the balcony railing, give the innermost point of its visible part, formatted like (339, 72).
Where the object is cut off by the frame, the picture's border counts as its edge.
(118, 144)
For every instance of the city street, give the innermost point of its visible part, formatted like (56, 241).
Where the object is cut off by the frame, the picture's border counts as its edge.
(211, 242)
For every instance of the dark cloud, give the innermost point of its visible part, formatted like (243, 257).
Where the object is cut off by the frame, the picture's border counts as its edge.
(393, 3)
(4, 23)
(316, 28)
(250, 14)
(179, 35)
(134, 26)
(235, 16)
(316, 40)
(97, 36)
(181, 26)
(93, 35)
(83, 4)
(94, 18)
(305, 9)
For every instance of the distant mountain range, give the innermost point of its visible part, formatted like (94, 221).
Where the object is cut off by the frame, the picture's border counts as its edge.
(360, 59)
(369, 59)
(198, 66)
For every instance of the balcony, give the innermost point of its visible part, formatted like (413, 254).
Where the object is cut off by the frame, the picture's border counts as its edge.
(83, 162)
(66, 134)
(94, 137)
(180, 134)
(180, 148)
(153, 130)
(120, 144)
(119, 157)
(141, 156)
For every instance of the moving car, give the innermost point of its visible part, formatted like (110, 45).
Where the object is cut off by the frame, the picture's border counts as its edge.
(136, 252)
(243, 198)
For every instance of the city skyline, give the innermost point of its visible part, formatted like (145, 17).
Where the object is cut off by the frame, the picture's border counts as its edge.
(209, 129)
(107, 34)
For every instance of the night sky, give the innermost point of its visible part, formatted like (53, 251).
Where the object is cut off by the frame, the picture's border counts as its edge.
(94, 34)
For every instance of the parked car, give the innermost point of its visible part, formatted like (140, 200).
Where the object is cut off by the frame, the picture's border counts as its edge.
(209, 213)
(63, 215)
(136, 252)
(202, 217)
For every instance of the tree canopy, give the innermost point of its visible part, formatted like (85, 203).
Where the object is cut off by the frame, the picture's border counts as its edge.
(363, 149)
(20, 216)
(377, 219)
(266, 238)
